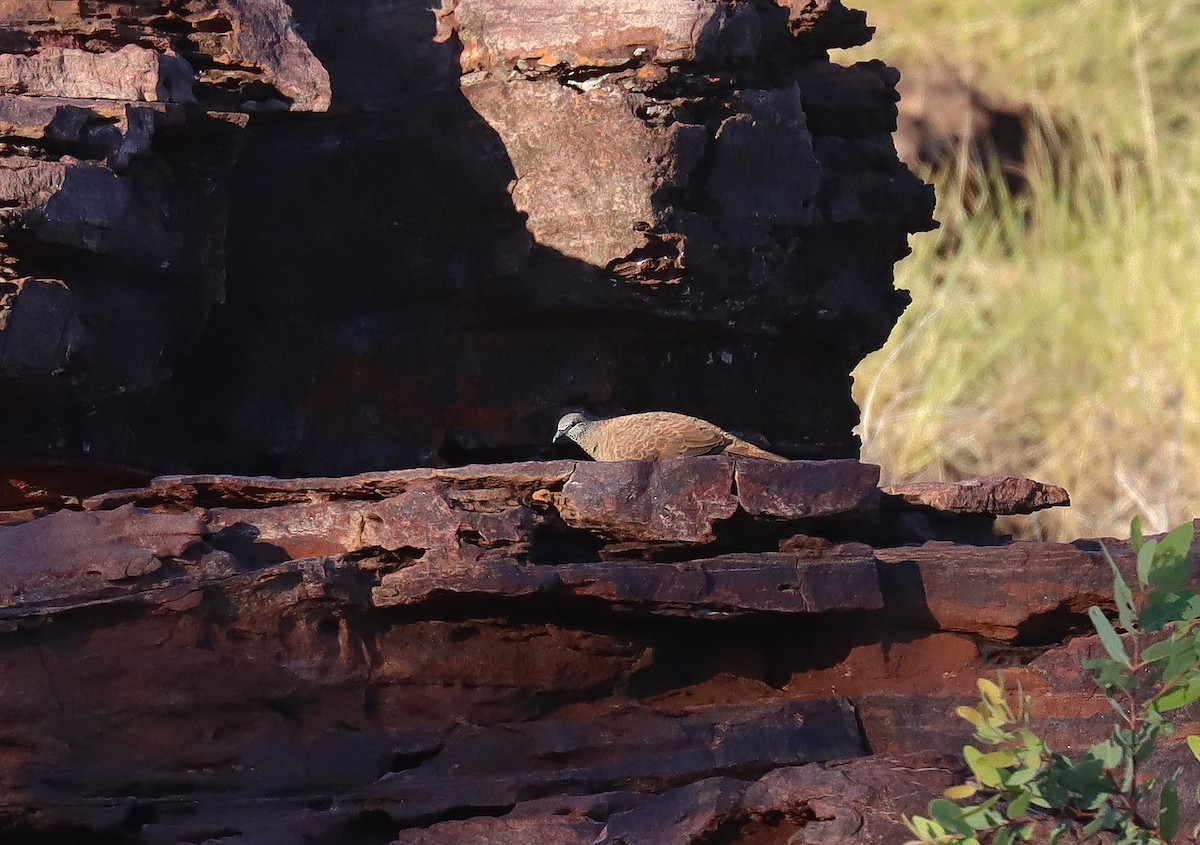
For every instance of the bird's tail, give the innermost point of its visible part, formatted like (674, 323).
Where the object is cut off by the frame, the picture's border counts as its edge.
(749, 450)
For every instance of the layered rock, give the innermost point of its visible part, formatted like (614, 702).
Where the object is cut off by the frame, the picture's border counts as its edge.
(515, 209)
(508, 210)
(118, 122)
(516, 653)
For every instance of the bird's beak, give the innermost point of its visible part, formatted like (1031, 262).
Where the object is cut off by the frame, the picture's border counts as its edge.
(559, 436)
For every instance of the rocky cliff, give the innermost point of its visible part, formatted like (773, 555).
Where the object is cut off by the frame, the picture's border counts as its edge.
(433, 231)
(118, 124)
(243, 235)
(700, 650)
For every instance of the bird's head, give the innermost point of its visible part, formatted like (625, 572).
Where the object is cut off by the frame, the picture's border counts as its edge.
(566, 424)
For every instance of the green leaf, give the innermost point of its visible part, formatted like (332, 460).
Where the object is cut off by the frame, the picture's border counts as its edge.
(1002, 759)
(1168, 811)
(985, 820)
(1019, 805)
(950, 816)
(1143, 752)
(1108, 753)
(970, 714)
(991, 693)
(1108, 637)
(1004, 836)
(1177, 696)
(1191, 607)
(1171, 564)
(990, 735)
(1183, 660)
(1049, 794)
(1122, 595)
(1022, 776)
(925, 829)
(1193, 743)
(1145, 560)
(1161, 608)
(1161, 650)
(1103, 821)
(1085, 776)
(1135, 534)
(958, 793)
(989, 714)
(986, 775)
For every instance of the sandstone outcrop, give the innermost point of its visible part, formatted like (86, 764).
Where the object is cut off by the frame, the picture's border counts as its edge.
(533, 652)
(118, 124)
(435, 232)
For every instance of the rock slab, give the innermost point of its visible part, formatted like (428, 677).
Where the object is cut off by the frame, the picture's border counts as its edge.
(441, 655)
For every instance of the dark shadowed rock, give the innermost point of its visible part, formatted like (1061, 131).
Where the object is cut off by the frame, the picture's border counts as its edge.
(118, 125)
(54, 484)
(722, 586)
(678, 207)
(390, 657)
(855, 802)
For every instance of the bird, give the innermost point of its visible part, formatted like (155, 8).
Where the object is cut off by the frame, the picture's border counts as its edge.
(652, 435)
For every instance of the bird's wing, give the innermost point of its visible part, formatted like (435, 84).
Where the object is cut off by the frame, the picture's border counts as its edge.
(670, 435)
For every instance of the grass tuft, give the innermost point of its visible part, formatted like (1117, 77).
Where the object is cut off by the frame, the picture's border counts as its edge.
(1055, 334)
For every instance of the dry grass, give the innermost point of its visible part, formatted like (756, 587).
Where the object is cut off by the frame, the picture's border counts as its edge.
(1060, 337)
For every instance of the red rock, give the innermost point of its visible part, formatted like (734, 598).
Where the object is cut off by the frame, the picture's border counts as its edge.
(723, 586)
(132, 73)
(807, 489)
(514, 482)
(54, 484)
(675, 500)
(390, 644)
(67, 555)
(596, 172)
(998, 495)
(680, 208)
(997, 592)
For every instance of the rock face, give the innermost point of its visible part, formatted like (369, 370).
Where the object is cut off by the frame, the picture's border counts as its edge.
(445, 229)
(117, 123)
(514, 654)
(442, 229)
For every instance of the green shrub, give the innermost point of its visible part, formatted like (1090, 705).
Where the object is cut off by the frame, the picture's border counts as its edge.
(1152, 669)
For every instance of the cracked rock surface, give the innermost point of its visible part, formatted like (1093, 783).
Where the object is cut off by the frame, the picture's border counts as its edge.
(118, 124)
(512, 653)
(322, 238)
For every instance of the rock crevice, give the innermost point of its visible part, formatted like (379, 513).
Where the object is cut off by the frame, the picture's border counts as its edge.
(298, 660)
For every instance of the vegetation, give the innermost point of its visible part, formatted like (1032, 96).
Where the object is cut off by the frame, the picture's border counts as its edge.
(1152, 670)
(1034, 317)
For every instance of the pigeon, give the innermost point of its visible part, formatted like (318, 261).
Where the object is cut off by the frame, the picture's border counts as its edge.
(653, 435)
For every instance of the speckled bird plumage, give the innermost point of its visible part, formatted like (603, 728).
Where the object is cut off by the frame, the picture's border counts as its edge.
(653, 435)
